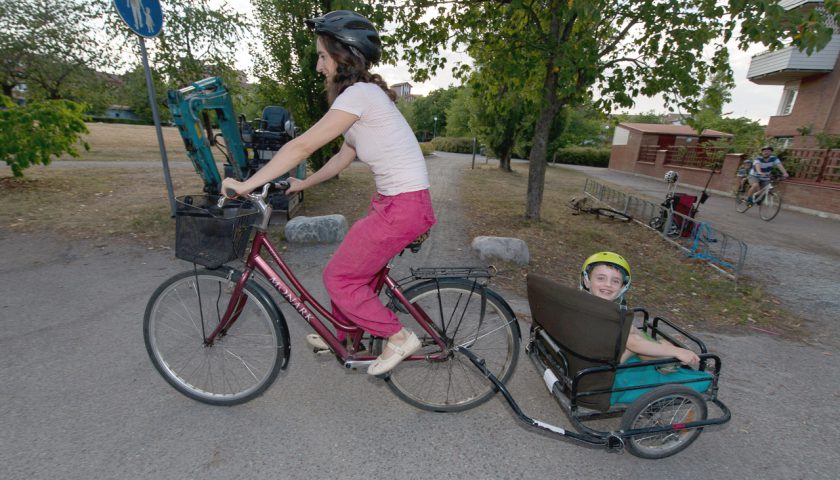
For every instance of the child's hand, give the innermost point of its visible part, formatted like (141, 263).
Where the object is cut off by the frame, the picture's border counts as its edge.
(687, 357)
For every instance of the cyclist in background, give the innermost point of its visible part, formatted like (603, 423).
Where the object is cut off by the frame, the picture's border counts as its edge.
(759, 174)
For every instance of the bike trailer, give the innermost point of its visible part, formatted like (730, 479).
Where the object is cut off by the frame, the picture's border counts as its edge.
(654, 408)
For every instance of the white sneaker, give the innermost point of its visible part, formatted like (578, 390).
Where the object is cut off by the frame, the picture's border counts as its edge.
(317, 342)
(382, 365)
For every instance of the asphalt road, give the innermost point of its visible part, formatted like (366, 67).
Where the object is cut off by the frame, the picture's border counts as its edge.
(80, 400)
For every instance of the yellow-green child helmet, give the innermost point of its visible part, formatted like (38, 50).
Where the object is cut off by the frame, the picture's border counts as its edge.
(608, 258)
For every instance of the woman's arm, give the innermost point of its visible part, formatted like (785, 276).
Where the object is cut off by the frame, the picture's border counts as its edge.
(330, 126)
(333, 167)
(642, 346)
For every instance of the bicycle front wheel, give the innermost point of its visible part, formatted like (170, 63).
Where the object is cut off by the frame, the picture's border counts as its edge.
(242, 361)
(462, 315)
(770, 206)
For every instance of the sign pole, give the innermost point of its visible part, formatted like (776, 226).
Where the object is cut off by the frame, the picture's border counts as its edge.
(150, 86)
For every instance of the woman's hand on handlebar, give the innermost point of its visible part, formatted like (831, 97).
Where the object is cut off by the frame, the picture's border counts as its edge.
(295, 185)
(232, 188)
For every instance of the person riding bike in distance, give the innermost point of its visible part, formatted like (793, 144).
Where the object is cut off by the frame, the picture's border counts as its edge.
(607, 275)
(759, 174)
(362, 109)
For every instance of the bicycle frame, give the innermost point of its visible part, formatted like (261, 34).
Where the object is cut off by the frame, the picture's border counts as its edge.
(309, 308)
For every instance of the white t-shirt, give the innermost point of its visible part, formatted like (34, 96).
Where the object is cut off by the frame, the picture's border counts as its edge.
(383, 140)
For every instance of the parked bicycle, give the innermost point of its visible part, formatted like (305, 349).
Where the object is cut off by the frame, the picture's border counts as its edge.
(580, 205)
(768, 199)
(217, 336)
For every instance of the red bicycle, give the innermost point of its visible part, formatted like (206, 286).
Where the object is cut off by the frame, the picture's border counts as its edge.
(218, 337)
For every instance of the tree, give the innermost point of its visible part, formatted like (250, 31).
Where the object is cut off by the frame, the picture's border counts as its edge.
(458, 114)
(51, 49)
(612, 51)
(136, 95)
(430, 111)
(500, 116)
(31, 134)
(198, 40)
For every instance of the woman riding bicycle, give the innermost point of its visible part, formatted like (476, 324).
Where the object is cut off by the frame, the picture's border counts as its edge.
(363, 111)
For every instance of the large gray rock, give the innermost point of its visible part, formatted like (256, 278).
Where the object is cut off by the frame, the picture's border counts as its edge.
(507, 249)
(324, 229)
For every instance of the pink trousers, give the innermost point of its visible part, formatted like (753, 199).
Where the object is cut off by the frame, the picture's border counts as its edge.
(392, 223)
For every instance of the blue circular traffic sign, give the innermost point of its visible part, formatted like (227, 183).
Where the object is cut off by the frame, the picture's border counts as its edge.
(143, 17)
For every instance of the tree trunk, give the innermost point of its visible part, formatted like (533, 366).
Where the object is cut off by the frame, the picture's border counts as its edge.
(542, 131)
(504, 161)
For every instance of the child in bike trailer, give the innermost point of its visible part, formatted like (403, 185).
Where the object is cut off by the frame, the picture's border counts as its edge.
(607, 275)
(363, 111)
(759, 174)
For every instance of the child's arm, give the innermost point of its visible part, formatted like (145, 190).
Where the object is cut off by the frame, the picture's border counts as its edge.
(642, 346)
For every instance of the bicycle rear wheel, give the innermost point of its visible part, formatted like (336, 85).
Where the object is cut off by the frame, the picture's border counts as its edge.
(770, 206)
(453, 384)
(240, 364)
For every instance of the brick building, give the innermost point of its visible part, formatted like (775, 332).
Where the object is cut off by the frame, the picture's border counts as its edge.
(809, 102)
(403, 91)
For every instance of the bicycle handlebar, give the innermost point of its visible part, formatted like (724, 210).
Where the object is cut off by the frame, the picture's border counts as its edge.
(270, 187)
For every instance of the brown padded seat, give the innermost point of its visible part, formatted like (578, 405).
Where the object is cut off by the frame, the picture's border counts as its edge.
(583, 325)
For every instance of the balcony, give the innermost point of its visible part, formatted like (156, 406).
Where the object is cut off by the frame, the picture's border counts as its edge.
(781, 66)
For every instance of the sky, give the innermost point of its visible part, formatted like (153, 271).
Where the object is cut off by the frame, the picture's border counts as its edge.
(757, 102)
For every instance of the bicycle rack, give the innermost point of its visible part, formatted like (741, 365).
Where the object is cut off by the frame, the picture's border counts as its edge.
(701, 241)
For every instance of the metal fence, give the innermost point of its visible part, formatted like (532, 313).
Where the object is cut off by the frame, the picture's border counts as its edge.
(698, 239)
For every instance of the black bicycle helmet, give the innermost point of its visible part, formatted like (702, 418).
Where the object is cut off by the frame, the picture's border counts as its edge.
(351, 29)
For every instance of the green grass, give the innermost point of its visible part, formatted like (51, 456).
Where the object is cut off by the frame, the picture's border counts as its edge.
(664, 280)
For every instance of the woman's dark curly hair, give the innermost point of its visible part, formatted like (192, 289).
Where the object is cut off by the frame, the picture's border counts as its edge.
(351, 67)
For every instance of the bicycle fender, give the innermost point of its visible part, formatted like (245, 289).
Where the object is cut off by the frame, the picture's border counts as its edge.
(271, 305)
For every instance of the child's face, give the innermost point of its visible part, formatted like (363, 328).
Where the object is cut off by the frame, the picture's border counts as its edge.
(605, 282)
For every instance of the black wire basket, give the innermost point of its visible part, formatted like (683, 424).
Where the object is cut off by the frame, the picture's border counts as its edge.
(211, 236)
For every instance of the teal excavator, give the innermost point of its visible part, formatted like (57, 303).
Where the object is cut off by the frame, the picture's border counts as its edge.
(246, 146)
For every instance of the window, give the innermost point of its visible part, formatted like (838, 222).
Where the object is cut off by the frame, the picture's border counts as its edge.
(788, 99)
(783, 142)
(621, 136)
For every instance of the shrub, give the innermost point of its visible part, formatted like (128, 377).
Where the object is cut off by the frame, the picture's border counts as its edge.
(32, 134)
(126, 121)
(593, 157)
(427, 148)
(453, 144)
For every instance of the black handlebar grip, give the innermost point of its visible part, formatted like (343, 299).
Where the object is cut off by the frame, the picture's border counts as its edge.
(281, 186)
(230, 193)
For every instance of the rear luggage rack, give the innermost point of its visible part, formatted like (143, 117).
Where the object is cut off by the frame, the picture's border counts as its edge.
(453, 272)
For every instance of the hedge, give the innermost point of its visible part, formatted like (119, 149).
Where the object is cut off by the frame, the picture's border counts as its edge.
(427, 148)
(593, 157)
(453, 144)
(126, 121)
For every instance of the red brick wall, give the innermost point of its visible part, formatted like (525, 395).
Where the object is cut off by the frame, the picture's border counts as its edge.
(815, 106)
(805, 195)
